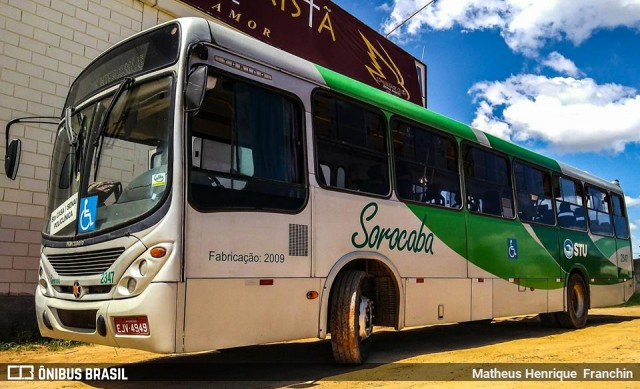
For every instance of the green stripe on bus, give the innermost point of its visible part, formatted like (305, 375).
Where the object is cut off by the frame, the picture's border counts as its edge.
(393, 104)
(540, 263)
(516, 151)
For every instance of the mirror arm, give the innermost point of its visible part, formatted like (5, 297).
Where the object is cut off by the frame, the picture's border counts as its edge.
(55, 120)
(13, 149)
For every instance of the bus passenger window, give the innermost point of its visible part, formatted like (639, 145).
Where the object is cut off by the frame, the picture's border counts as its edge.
(487, 181)
(352, 140)
(426, 166)
(620, 217)
(533, 194)
(568, 195)
(598, 211)
(247, 150)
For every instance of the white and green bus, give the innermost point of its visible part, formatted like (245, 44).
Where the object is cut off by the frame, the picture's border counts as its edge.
(210, 191)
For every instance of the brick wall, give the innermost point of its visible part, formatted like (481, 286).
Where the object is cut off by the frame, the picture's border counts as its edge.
(44, 44)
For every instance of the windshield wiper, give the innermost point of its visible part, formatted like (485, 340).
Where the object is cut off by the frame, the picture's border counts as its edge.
(126, 84)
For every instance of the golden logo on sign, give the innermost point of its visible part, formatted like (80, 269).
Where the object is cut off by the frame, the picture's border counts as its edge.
(380, 64)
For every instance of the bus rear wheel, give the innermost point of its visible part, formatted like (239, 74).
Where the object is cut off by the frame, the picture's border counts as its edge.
(577, 311)
(351, 323)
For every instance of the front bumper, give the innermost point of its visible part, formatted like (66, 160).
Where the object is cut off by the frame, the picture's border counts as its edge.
(157, 302)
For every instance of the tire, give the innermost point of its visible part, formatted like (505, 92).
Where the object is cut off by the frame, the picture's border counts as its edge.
(577, 311)
(351, 321)
(549, 319)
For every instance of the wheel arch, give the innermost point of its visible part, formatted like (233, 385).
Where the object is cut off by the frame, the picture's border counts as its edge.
(362, 260)
(582, 272)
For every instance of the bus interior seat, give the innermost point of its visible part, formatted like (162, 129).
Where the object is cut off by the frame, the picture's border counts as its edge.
(566, 218)
(491, 203)
(579, 215)
(323, 173)
(605, 228)
(375, 182)
(433, 195)
(545, 214)
(455, 200)
(405, 187)
(472, 203)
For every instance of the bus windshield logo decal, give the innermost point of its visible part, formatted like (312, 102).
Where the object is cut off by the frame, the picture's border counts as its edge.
(87, 219)
(159, 179)
(401, 240)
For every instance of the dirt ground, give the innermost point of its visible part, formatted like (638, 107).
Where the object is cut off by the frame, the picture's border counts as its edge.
(399, 359)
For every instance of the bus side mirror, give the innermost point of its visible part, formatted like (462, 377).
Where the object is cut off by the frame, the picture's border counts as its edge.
(195, 89)
(14, 148)
(12, 158)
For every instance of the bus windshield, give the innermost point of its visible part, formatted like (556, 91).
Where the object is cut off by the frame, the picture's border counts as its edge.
(111, 168)
(115, 169)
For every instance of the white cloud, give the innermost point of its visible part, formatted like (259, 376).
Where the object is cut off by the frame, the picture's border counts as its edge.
(525, 25)
(385, 7)
(568, 114)
(632, 202)
(561, 64)
(633, 226)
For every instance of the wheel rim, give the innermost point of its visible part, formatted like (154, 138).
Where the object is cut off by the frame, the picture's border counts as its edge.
(365, 317)
(578, 301)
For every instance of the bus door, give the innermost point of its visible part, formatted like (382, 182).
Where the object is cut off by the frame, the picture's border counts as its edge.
(601, 258)
(492, 246)
(623, 245)
(248, 216)
(539, 263)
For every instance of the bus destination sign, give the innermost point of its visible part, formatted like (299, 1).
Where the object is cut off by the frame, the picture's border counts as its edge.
(323, 33)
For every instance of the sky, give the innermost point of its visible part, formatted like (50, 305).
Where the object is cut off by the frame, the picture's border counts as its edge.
(559, 77)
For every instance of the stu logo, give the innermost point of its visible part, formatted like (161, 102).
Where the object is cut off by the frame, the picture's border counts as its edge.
(574, 249)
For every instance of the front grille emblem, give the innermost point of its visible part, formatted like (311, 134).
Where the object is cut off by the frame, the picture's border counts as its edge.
(77, 290)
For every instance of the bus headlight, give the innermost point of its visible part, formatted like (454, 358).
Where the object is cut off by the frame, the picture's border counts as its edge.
(131, 285)
(43, 284)
(142, 267)
(127, 286)
(142, 270)
(44, 287)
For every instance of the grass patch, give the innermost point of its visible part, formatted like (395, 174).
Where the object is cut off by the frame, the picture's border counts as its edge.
(45, 344)
(634, 300)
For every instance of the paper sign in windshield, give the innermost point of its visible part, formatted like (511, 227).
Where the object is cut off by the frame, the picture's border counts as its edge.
(64, 215)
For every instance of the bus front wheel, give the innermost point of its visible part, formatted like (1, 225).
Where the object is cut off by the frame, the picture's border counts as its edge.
(351, 323)
(577, 304)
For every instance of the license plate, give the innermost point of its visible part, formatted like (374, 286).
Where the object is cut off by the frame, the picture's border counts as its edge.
(134, 325)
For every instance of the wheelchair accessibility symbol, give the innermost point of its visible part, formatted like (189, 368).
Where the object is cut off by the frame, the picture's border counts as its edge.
(87, 219)
(512, 248)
